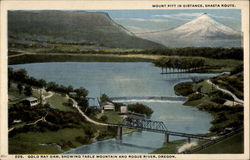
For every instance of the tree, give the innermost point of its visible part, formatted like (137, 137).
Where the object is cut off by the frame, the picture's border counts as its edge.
(140, 108)
(70, 89)
(104, 98)
(20, 75)
(104, 118)
(81, 92)
(28, 91)
(42, 83)
(20, 88)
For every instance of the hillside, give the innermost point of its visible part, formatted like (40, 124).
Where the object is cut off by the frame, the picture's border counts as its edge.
(202, 31)
(88, 28)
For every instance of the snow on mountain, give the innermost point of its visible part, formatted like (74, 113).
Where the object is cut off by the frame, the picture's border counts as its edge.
(201, 31)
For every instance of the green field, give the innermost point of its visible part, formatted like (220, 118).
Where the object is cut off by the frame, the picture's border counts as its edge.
(59, 102)
(113, 117)
(170, 148)
(35, 142)
(231, 145)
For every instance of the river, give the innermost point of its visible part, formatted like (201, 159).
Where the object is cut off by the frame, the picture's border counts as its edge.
(128, 79)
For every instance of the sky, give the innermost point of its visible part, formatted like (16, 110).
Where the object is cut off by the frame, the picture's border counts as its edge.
(139, 21)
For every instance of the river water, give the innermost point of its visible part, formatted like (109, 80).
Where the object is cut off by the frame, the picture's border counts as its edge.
(128, 79)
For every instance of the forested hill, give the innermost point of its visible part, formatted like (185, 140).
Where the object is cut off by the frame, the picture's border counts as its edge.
(209, 52)
(95, 28)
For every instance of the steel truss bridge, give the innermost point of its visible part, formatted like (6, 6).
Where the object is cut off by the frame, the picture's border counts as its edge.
(154, 126)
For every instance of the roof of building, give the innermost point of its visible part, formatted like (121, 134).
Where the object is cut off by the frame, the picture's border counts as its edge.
(30, 99)
(106, 103)
(109, 106)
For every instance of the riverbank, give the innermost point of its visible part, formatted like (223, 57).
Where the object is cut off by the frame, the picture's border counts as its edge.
(210, 65)
(156, 73)
(209, 97)
(60, 119)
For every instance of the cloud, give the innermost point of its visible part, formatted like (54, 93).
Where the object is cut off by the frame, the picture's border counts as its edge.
(144, 19)
(221, 17)
(136, 29)
(189, 16)
(179, 16)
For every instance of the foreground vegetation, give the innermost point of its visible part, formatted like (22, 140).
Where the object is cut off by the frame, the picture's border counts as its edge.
(39, 126)
(170, 148)
(213, 102)
(232, 145)
(55, 116)
(205, 96)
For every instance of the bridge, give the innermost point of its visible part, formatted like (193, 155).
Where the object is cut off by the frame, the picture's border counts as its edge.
(154, 126)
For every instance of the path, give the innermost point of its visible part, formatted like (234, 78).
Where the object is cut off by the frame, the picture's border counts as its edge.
(20, 54)
(226, 91)
(29, 124)
(75, 104)
(50, 95)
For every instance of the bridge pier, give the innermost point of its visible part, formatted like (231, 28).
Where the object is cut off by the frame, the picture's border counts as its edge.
(119, 133)
(166, 138)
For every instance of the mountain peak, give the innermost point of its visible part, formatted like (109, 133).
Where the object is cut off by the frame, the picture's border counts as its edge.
(204, 26)
(203, 30)
(204, 17)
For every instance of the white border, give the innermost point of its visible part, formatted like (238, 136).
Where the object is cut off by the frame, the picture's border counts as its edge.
(110, 5)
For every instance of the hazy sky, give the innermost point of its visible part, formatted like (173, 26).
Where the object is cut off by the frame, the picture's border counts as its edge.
(155, 20)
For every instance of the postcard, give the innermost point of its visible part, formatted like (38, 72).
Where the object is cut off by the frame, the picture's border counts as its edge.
(124, 80)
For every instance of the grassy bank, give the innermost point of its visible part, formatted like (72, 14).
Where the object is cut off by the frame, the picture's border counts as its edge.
(62, 130)
(49, 142)
(170, 148)
(205, 96)
(233, 145)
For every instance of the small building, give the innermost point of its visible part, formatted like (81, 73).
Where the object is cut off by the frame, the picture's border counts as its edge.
(107, 106)
(30, 101)
(124, 109)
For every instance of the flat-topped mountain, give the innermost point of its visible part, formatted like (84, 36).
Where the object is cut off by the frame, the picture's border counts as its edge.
(74, 26)
(202, 31)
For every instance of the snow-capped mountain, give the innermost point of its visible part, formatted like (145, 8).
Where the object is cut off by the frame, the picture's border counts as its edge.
(201, 31)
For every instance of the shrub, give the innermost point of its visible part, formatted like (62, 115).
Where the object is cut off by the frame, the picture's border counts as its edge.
(140, 108)
(184, 89)
(194, 96)
(237, 69)
(104, 98)
(220, 94)
(104, 118)
(213, 107)
(218, 100)
(83, 140)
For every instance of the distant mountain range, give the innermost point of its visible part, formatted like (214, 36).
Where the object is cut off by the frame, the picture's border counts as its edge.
(74, 26)
(202, 31)
(99, 29)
